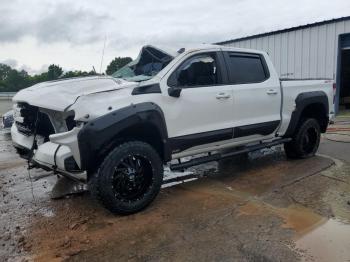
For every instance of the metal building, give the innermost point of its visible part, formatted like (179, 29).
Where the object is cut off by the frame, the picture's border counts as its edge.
(318, 50)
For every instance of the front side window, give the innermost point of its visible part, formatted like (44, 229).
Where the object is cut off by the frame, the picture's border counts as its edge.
(246, 68)
(199, 70)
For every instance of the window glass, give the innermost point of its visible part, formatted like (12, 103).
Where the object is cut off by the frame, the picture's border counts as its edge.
(148, 64)
(245, 69)
(198, 71)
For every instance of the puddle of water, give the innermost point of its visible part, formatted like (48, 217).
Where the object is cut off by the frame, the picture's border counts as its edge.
(178, 183)
(168, 174)
(300, 219)
(328, 242)
(297, 218)
(317, 238)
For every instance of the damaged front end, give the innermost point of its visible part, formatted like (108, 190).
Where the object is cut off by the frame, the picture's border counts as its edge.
(47, 139)
(49, 116)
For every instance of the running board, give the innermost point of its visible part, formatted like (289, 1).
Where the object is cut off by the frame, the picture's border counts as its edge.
(219, 156)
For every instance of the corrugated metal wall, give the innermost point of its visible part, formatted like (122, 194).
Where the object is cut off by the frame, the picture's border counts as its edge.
(304, 53)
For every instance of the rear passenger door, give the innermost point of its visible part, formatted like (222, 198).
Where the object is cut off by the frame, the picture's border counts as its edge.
(256, 96)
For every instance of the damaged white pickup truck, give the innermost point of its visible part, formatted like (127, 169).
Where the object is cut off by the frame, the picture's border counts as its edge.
(116, 132)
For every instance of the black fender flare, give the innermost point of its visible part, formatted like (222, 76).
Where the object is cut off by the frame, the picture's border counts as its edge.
(302, 101)
(96, 134)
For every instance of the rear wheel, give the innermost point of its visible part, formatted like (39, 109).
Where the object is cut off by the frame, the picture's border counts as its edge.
(306, 140)
(129, 178)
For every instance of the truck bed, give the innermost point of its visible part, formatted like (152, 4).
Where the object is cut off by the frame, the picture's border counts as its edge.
(291, 88)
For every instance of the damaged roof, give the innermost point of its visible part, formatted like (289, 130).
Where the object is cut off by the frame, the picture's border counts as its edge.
(174, 50)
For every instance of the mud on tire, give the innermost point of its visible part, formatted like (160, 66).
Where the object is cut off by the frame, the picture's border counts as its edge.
(306, 140)
(129, 178)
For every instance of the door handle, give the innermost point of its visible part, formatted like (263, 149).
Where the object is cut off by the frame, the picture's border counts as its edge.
(223, 96)
(271, 92)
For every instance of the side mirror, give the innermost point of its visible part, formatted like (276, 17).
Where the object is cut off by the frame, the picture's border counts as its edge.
(174, 91)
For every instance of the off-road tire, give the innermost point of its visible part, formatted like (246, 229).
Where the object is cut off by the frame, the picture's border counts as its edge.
(102, 183)
(306, 140)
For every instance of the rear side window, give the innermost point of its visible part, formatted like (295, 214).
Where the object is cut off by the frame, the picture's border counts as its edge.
(246, 68)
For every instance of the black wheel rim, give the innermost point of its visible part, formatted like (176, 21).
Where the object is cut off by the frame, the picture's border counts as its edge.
(310, 140)
(132, 178)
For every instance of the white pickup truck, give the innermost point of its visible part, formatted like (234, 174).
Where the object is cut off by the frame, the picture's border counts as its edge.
(116, 132)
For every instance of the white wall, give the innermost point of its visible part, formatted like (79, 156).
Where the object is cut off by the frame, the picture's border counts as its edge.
(303, 53)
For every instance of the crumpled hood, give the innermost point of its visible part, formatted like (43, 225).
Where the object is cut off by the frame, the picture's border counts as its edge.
(59, 95)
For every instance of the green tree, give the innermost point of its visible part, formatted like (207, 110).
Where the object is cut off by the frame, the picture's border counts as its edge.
(4, 71)
(12, 80)
(70, 74)
(54, 72)
(117, 63)
(38, 78)
(15, 80)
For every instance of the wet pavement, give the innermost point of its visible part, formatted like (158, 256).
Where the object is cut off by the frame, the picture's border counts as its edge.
(324, 246)
(259, 208)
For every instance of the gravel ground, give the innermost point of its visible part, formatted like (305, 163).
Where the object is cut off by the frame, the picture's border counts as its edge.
(259, 208)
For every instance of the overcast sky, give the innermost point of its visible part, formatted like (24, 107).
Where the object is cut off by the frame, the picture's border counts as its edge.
(36, 33)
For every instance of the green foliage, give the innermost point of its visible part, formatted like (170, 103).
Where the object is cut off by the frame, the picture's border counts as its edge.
(4, 71)
(117, 63)
(12, 80)
(70, 74)
(17, 80)
(54, 72)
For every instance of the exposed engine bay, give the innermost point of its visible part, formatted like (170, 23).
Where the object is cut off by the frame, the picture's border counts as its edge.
(31, 120)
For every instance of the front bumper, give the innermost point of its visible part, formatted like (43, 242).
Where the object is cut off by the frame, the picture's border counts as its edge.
(59, 154)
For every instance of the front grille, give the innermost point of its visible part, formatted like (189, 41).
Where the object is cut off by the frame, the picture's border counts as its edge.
(31, 116)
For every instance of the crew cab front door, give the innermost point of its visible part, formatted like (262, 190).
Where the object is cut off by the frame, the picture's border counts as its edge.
(203, 111)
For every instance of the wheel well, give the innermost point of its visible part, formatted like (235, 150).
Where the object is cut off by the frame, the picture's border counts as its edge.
(318, 112)
(145, 132)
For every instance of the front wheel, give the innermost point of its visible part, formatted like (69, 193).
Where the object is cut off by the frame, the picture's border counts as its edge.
(306, 140)
(129, 178)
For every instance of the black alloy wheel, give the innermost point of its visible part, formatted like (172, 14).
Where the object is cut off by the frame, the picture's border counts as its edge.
(129, 178)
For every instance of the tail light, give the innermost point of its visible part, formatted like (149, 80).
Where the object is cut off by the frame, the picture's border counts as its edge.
(334, 91)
